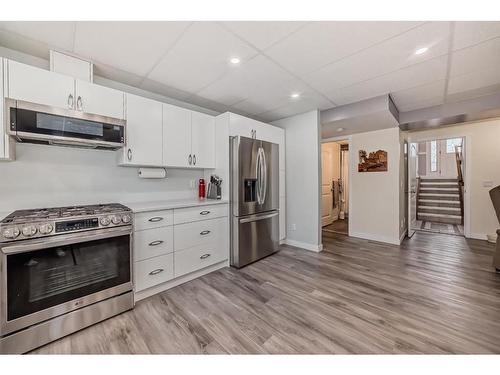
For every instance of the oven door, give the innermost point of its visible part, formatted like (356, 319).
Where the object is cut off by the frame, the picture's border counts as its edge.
(45, 278)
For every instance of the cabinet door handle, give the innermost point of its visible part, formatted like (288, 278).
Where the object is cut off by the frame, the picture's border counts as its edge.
(156, 272)
(155, 243)
(204, 212)
(190, 159)
(204, 256)
(194, 159)
(129, 154)
(70, 101)
(205, 232)
(155, 219)
(79, 103)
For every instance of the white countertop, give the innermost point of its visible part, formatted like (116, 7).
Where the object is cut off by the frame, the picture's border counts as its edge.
(170, 204)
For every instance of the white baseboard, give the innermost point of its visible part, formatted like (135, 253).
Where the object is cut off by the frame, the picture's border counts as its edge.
(178, 281)
(478, 236)
(375, 237)
(304, 245)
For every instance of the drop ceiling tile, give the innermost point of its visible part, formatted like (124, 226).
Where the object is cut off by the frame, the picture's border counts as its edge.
(468, 33)
(473, 94)
(426, 72)
(421, 96)
(474, 80)
(160, 88)
(118, 75)
(285, 111)
(200, 57)
(263, 34)
(131, 46)
(53, 34)
(320, 43)
(24, 45)
(253, 78)
(482, 56)
(393, 54)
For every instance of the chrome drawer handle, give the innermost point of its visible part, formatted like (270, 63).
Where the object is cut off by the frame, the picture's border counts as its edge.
(156, 272)
(155, 219)
(204, 212)
(205, 232)
(156, 243)
(70, 101)
(204, 256)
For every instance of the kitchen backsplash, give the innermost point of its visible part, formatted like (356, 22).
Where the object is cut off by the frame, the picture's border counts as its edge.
(49, 176)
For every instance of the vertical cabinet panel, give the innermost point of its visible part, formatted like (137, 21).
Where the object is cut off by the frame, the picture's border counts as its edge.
(203, 140)
(99, 100)
(40, 86)
(3, 137)
(176, 136)
(143, 132)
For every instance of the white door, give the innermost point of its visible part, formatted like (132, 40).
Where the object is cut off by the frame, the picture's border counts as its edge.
(99, 100)
(326, 185)
(143, 132)
(176, 136)
(412, 184)
(203, 140)
(40, 86)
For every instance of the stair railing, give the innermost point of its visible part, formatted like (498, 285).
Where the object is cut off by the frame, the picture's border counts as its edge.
(460, 178)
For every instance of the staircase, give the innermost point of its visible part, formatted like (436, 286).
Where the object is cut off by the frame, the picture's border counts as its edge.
(440, 200)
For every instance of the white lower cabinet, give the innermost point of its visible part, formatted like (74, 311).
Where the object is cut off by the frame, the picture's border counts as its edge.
(173, 243)
(154, 271)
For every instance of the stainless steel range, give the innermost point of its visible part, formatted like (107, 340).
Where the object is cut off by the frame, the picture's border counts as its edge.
(62, 269)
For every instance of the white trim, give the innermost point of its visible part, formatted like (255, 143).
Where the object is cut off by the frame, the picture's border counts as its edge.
(304, 245)
(375, 237)
(478, 236)
(403, 235)
(178, 281)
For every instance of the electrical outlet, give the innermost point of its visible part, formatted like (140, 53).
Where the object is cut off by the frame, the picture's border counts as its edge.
(293, 227)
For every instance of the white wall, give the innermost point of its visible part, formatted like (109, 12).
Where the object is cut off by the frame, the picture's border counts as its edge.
(303, 184)
(45, 176)
(375, 196)
(483, 166)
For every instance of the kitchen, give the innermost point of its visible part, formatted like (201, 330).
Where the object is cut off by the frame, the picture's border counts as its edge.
(161, 190)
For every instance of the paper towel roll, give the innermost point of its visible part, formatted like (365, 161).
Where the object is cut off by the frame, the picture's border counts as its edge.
(152, 173)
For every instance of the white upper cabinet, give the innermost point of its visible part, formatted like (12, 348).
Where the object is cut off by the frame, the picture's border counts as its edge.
(143, 133)
(31, 84)
(99, 100)
(40, 86)
(177, 136)
(188, 138)
(203, 140)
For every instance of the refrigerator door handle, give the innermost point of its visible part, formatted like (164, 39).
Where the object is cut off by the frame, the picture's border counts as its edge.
(257, 218)
(264, 174)
(258, 173)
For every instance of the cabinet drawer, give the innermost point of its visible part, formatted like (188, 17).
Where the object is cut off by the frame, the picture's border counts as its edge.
(153, 219)
(198, 257)
(186, 215)
(199, 232)
(150, 243)
(154, 271)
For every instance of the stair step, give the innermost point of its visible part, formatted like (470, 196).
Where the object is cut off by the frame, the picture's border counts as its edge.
(439, 218)
(439, 210)
(439, 183)
(447, 196)
(438, 203)
(422, 180)
(439, 190)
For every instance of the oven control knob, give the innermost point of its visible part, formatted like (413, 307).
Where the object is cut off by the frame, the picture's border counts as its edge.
(126, 218)
(29, 230)
(11, 233)
(105, 221)
(45, 228)
(116, 219)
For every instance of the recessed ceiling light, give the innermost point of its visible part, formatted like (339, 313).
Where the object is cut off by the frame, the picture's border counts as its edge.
(235, 60)
(421, 50)
(295, 95)
(340, 130)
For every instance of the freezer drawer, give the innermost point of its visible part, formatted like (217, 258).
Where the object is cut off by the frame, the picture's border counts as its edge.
(254, 237)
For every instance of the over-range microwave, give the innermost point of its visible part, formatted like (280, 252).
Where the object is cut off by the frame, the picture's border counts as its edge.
(37, 123)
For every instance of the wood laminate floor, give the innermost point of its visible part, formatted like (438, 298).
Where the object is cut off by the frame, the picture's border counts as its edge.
(434, 294)
(338, 226)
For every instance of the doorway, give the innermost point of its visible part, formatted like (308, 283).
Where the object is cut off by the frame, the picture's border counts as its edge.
(335, 187)
(437, 179)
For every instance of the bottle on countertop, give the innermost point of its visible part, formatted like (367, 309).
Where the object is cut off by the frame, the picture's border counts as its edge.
(201, 189)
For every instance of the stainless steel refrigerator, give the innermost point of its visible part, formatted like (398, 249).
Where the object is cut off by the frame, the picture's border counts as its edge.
(254, 199)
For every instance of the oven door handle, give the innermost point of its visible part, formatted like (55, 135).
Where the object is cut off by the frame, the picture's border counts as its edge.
(45, 243)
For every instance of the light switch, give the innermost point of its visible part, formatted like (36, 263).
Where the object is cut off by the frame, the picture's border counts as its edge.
(487, 183)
